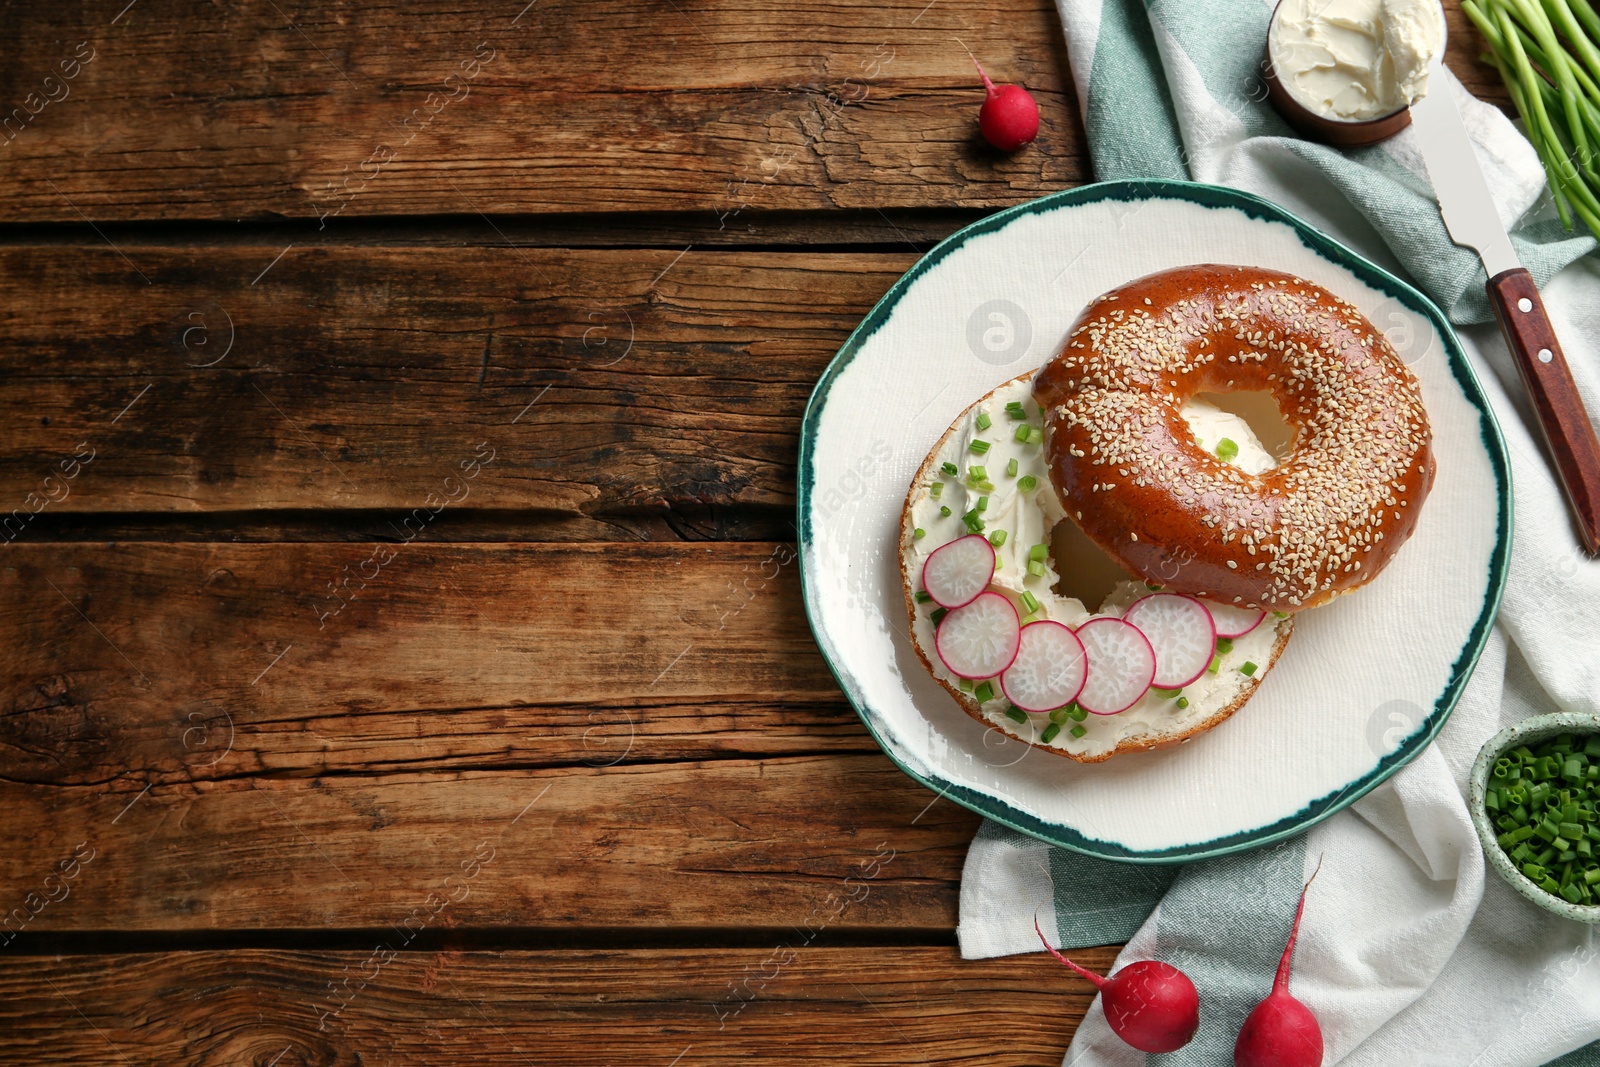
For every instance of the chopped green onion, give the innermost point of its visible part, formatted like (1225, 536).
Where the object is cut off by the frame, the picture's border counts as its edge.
(1544, 804)
(1216, 661)
(918, 534)
(1035, 435)
(936, 490)
(949, 469)
(1030, 601)
(922, 596)
(1059, 715)
(1227, 450)
(1050, 732)
(1039, 552)
(1075, 713)
(965, 685)
(1165, 694)
(984, 691)
(983, 420)
(997, 538)
(1077, 731)
(944, 511)
(1011, 467)
(973, 522)
(1036, 568)
(1020, 435)
(983, 503)
(1183, 702)
(938, 615)
(1016, 410)
(978, 446)
(1224, 645)
(1014, 713)
(1247, 668)
(1027, 483)
(976, 473)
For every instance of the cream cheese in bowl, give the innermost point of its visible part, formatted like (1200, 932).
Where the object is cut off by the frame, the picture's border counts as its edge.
(1355, 60)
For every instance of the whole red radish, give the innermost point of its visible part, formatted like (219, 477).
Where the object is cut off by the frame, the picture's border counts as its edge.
(1009, 117)
(1151, 1005)
(1282, 1032)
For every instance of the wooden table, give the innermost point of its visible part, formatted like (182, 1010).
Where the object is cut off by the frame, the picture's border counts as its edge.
(404, 656)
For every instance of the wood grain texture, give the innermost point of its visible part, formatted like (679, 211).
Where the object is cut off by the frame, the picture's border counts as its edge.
(727, 843)
(300, 112)
(160, 664)
(1568, 430)
(612, 386)
(303, 111)
(888, 1006)
(237, 757)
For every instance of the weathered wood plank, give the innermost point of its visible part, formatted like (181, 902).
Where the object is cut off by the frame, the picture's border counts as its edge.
(607, 386)
(310, 112)
(727, 843)
(167, 664)
(239, 755)
(789, 1004)
(305, 111)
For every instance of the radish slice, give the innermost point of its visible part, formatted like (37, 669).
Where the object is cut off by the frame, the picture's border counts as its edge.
(1121, 665)
(1231, 621)
(1180, 630)
(1049, 669)
(956, 573)
(980, 639)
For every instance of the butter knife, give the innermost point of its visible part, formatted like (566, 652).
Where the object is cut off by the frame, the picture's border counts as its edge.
(1470, 216)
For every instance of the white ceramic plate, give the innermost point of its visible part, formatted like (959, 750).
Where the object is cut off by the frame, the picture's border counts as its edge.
(1366, 681)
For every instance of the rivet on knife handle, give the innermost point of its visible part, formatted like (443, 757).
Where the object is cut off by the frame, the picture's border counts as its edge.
(1567, 429)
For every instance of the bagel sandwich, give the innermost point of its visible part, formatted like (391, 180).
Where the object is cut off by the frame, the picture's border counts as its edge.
(1097, 560)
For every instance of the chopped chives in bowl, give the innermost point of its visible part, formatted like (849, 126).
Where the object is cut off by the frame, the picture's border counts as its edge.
(1544, 801)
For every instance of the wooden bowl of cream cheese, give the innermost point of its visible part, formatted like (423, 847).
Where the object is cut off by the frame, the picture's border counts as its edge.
(1345, 72)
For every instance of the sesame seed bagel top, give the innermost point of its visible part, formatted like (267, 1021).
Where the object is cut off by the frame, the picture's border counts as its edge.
(1323, 521)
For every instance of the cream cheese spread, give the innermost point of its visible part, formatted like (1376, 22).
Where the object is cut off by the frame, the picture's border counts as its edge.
(1027, 515)
(1354, 60)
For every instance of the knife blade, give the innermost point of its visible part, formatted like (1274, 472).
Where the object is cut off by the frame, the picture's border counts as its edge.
(1470, 217)
(1458, 182)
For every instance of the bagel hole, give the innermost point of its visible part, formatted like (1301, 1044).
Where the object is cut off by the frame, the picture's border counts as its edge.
(1259, 409)
(1087, 571)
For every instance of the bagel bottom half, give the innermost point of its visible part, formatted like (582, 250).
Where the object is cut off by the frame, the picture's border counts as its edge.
(1031, 514)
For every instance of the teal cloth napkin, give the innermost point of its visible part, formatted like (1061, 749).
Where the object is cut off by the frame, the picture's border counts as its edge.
(1411, 953)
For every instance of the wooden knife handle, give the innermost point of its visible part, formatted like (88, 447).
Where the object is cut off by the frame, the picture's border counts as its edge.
(1567, 429)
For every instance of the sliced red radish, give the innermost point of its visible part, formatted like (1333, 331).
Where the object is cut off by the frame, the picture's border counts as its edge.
(980, 639)
(1180, 630)
(956, 573)
(1233, 622)
(1049, 669)
(1121, 665)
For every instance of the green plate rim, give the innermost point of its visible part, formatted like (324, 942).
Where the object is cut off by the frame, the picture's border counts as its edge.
(1209, 196)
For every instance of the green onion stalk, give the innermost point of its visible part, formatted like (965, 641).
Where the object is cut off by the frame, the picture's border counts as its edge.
(1546, 53)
